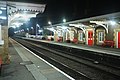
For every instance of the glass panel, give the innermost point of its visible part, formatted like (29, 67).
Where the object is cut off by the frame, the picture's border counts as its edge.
(81, 36)
(101, 36)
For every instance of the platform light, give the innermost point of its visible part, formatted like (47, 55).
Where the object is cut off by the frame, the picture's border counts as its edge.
(28, 29)
(3, 17)
(51, 29)
(0, 11)
(64, 27)
(37, 25)
(3, 8)
(40, 31)
(13, 27)
(49, 22)
(31, 27)
(112, 22)
(64, 20)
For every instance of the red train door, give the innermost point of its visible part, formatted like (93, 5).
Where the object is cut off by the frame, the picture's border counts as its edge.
(90, 38)
(118, 39)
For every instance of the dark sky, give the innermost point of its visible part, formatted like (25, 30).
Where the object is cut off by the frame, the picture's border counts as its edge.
(56, 10)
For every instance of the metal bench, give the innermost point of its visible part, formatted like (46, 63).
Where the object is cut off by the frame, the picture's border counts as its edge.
(75, 40)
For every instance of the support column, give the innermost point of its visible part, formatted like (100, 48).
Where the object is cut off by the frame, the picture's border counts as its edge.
(5, 55)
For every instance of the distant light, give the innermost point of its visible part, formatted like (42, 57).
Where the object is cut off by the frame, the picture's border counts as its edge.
(17, 24)
(112, 22)
(3, 8)
(36, 13)
(64, 20)
(37, 25)
(49, 23)
(13, 27)
(15, 32)
(3, 17)
(64, 27)
(40, 30)
(0, 12)
(25, 12)
(31, 27)
(28, 29)
(51, 29)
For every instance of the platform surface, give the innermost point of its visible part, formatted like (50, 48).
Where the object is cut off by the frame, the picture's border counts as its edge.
(25, 65)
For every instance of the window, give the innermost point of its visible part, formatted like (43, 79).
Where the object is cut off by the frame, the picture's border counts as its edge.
(71, 35)
(81, 36)
(101, 36)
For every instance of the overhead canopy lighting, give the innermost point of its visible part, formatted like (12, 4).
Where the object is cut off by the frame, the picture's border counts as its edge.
(112, 22)
(3, 17)
(51, 29)
(3, 8)
(0, 12)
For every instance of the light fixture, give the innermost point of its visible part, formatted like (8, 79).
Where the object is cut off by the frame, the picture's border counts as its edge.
(112, 22)
(49, 22)
(64, 20)
(3, 8)
(37, 25)
(28, 29)
(0, 12)
(31, 27)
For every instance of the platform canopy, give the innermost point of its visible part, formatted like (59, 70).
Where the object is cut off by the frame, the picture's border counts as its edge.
(19, 12)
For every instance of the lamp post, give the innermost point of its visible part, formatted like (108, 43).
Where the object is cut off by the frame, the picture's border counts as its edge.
(63, 31)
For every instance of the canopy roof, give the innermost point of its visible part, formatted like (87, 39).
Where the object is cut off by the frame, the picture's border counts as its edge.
(19, 12)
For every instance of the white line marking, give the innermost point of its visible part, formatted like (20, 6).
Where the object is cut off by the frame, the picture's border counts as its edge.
(47, 62)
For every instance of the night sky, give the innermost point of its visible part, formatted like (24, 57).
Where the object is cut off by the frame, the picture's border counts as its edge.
(56, 10)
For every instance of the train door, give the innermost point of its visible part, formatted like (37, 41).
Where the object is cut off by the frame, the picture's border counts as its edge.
(118, 39)
(90, 38)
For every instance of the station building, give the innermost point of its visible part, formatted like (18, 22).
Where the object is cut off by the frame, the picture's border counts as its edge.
(101, 30)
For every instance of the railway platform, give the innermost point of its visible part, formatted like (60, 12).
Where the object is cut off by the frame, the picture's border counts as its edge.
(25, 65)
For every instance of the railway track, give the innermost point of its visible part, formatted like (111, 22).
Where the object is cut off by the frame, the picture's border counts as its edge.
(78, 68)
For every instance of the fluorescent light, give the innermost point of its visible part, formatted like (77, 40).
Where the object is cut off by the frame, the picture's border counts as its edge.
(49, 23)
(112, 22)
(0, 12)
(64, 20)
(3, 17)
(3, 8)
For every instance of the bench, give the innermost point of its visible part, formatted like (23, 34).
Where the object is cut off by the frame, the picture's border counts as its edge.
(60, 39)
(75, 40)
(108, 43)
